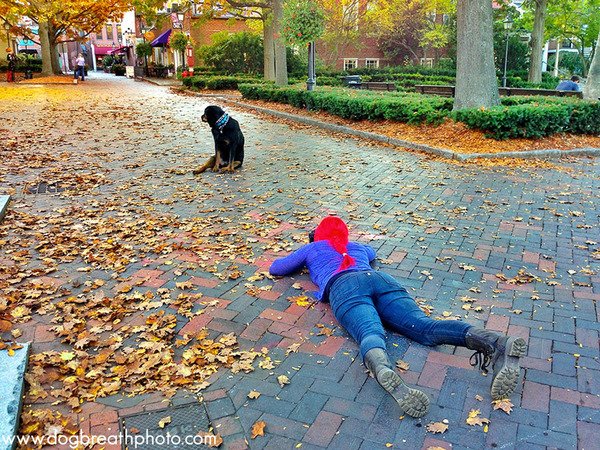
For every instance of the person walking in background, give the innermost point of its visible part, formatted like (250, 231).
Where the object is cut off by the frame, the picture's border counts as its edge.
(12, 66)
(569, 85)
(363, 300)
(79, 67)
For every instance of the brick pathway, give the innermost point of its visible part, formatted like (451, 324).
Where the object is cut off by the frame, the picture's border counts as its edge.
(518, 246)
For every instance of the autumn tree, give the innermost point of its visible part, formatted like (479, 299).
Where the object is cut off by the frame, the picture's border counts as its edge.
(476, 83)
(577, 21)
(409, 28)
(269, 14)
(346, 25)
(66, 19)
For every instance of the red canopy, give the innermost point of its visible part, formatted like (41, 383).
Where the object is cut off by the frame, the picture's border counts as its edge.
(102, 50)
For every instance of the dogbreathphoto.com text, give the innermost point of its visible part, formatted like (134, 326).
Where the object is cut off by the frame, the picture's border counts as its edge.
(130, 440)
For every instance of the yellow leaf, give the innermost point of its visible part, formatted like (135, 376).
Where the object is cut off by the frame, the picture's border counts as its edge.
(258, 429)
(474, 418)
(283, 380)
(165, 420)
(253, 394)
(67, 356)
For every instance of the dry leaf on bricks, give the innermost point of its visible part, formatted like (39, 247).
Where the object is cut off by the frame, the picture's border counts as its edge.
(504, 405)
(436, 427)
(474, 418)
(258, 429)
(165, 420)
(253, 394)
(283, 380)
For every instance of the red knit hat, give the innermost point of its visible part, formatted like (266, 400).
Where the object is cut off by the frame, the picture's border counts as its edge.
(335, 231)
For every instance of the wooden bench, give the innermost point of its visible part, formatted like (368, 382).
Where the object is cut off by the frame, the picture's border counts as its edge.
(547, 92)
(432, 89)
(379, 86)
(448, 91)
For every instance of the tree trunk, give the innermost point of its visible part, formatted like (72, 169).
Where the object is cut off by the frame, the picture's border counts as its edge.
(55, 58)
(53, 36)
(281, 78)
(269, 48)
(592, 85)
(537, 42)
(584, 68)
(476, 83)
(46, 50)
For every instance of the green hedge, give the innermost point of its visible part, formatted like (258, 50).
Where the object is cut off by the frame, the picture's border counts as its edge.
(534, 117)
(216, 82)
(355, 104)
(517, 117)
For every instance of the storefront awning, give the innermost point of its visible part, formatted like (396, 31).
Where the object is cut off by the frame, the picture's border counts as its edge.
(162, 40)
(102, 50)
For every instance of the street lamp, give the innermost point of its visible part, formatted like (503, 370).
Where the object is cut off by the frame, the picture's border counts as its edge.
(508, 23)
(7, 28)
(311, 82)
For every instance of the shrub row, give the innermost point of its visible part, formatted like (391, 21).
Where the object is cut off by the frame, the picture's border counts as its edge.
(216, 82)
(356, 105)
(534, 117)
(517, 117)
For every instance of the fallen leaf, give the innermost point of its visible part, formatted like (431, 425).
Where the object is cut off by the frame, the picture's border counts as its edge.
(325, 332)
(300, 300)
(165, 420)
(504, 405)
(293, 348)
(253, 394)
(283, 380)
(403, 366)
(258, 429)
(479, 398)
(436, 427)
(474, 418)
(184, 285)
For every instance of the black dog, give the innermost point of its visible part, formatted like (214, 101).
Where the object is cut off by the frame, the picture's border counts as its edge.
(229, 141)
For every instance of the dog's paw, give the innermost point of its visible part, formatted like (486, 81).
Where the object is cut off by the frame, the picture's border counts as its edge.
(228, 169)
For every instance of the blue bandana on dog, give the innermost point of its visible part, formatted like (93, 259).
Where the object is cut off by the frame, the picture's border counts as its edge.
(222, 122)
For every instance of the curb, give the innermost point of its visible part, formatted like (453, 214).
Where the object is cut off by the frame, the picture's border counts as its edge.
(12, 389)
(4, 201)
(449, 154)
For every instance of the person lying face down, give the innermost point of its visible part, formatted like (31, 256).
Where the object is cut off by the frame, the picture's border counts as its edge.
(364, 300)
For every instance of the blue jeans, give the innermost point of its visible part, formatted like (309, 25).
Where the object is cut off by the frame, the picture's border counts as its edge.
(363, 302)
(79, 71)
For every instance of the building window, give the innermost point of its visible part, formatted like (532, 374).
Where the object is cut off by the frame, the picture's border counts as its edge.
(372, 63)
(109, 32)
(350, 63)
(119, 32)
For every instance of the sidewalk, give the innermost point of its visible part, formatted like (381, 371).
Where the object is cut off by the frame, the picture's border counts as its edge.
(136, 282)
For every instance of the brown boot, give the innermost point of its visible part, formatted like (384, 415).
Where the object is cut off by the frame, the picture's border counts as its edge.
(503, 352)
(413, 402)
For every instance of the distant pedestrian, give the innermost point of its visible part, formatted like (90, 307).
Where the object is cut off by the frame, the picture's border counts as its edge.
(363, 300)
(569, 85)
(12, 66)
(79, 67)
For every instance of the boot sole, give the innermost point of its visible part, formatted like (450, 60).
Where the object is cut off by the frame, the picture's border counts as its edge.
(506, 380)
(412, 401)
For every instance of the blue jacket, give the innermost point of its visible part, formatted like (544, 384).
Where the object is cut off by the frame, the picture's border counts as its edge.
(567, 85)
(323, 262)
